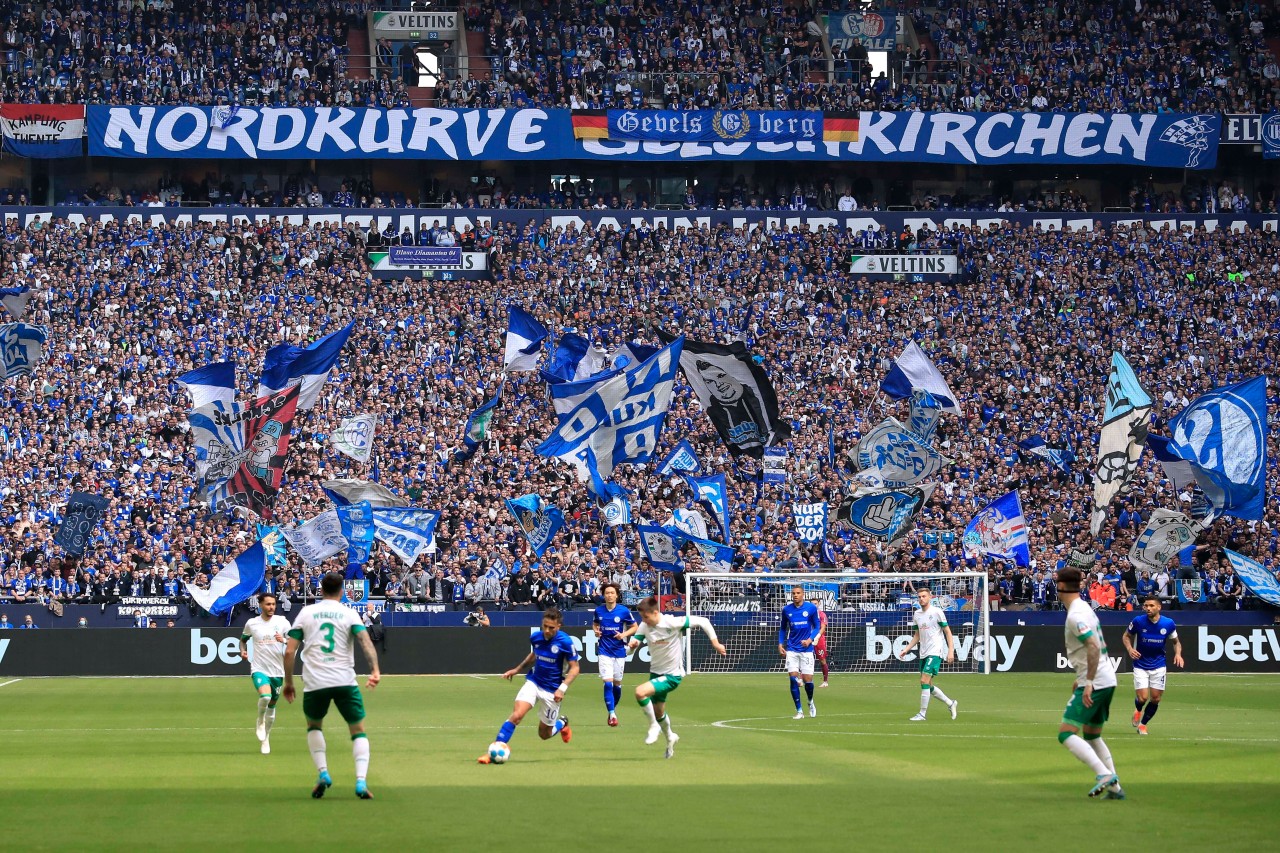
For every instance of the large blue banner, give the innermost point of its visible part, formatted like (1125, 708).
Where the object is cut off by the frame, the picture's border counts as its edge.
(1176, 140)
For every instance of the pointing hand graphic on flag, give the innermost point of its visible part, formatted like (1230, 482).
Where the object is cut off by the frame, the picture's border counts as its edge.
(880, 516)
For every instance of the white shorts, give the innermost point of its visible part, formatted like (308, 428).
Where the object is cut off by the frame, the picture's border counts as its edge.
(1149, 679)
(543, 701)
(801, 662)
(611, 668)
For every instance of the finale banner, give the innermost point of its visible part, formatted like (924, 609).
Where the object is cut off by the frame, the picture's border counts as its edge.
(1174, 140)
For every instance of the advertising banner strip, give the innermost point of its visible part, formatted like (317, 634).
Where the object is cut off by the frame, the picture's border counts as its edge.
(1175, 140)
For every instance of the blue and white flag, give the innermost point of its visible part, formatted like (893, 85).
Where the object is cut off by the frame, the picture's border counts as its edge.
(1255, 577)
(273, 544)
(21, 349)
(407, 531)
(477, 428)
(926, 411)
(897, 455)
(618, 415)
(524, 341)
(661, 546)
(567, 358)
(811, 522)
(237, 581)
(354, 436)
(79, 520)
(885, 514)
(630, 354)
(1059, 457)
(1180, 472)
(1166, 534)
(346, 491)
(213, 383)
(689, 522)
(539, 520)
(913, 369)
(318, 539)
(617, 511)
(15, 300)
(773, 465)
(715, 556)
(1224, 435)
(286, 364)
(999, 530)
(1124, 434)
(712, 494)
(681, 459)
(357, 527)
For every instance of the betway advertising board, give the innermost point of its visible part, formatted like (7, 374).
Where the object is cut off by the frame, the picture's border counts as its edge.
(428, 651)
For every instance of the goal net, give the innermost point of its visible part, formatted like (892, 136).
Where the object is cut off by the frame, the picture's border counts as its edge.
(869, 619)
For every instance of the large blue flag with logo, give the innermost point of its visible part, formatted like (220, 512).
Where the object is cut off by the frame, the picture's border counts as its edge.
(999, 530)
(1255, 577)
(713, 496)
(539, 520)
(1224, 435)
(21, 349)
(618, 415)
(661, 546)
(237, 580)
(357, 525)
(407, 531)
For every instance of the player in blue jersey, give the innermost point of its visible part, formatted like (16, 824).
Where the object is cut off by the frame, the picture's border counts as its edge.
(609, 621)
(798, 633)
(553, 665)
(1151, 631)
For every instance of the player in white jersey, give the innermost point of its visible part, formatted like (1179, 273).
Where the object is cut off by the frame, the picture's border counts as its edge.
(267, 665)
(1095, 684)
(665, 634)
(933, 636)
(328, 632)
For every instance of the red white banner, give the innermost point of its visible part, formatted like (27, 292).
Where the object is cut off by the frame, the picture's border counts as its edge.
(43, 130)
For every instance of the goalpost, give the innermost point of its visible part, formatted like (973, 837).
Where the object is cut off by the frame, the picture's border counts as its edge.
(869, 618)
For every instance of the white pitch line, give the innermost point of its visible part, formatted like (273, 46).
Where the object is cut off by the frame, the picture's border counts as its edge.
(11, 681)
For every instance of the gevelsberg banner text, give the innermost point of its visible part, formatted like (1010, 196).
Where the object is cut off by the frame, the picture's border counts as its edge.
(1175, 140)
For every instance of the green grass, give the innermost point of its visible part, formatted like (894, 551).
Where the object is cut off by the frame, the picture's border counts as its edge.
(173, 764)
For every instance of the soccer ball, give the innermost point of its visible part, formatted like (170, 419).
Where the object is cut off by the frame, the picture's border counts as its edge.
(499, 752)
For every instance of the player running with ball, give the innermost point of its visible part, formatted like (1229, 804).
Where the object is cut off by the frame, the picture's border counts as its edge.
(665, 634)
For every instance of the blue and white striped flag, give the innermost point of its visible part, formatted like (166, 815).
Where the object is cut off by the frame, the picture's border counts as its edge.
(286, 364)
(21, 349)
(238, 580)
(211, 383)
(524, 340)
(913, 369)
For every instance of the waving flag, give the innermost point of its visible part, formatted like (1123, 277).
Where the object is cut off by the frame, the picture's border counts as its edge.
(681, 458)
(21, 349)
(358, 530)
(1255, 577)
(567, 357)
(926, 411)
(15, 300)
(539, 520)
(736, 394)
(273, 544)
(661, 546)
(688, 521)
(811, 522)
(318, 539)
(350, 491)
(618, 415)
(524, 340)
(237, 580)
(211, 383)
(715, 556)
(286, 364)
(1059, 457)
(1167, 533)
(1223, 435)
(617, 511)
(885, 514)
(407, 531)
(240, 450)
(712, 494)
(913, 369)
(477, 428)
(354, 436)
(999, 530)
(79, 520)
(1124, 433)
(1180, 472)
(897, 455)
(630, 354)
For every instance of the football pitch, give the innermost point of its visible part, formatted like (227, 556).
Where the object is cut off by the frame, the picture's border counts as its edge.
(174, 764)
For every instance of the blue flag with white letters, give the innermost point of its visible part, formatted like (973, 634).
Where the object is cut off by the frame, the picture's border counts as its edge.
(357, 525)
(681, 459)
(1223, 434)
(539, 520)
(21, 349)
(407, 531)
(811, 522)
(712, 494)
(1255, 577)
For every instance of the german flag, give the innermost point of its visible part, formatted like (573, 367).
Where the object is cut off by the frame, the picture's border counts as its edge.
(839, 127)
(594, 124)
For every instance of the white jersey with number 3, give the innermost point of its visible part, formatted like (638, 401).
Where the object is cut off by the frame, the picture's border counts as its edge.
(267, 653)
(1082, 624)
(931, 624)
(328, 632)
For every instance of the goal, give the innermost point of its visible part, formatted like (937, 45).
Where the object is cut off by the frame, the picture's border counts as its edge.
(869, 619)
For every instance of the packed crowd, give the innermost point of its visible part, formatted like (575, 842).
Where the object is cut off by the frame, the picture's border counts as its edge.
(1025, 338)
(1079, 55)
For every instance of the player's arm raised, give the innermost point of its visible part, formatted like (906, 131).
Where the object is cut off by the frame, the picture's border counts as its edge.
(290, 655)
(519, 668)
(371, 655)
